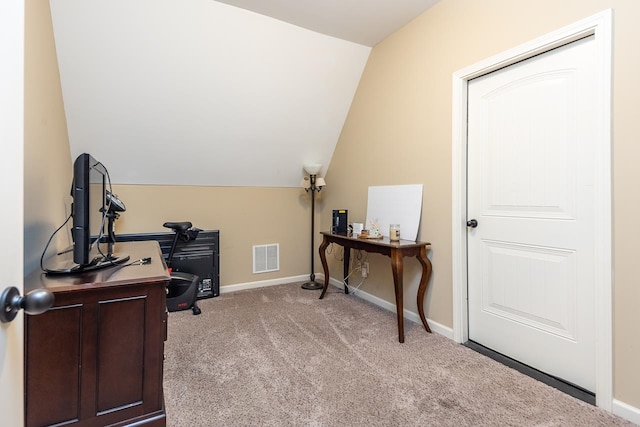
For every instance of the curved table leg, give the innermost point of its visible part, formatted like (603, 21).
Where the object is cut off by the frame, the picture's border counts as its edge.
(422, 288)
(325, 267)
(397, 268)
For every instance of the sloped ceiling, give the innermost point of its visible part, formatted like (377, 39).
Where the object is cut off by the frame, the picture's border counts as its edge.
(365, 22)
(198, 92)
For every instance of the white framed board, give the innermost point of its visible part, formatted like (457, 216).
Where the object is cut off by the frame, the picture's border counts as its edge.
(395, 204)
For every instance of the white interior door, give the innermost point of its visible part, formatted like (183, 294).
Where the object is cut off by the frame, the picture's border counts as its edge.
(11, 169)
(531, 155)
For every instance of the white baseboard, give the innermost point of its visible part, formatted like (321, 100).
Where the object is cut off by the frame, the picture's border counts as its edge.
(263, 283)
(626, 411)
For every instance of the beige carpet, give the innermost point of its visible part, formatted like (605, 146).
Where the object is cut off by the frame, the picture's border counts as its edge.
(278, 356)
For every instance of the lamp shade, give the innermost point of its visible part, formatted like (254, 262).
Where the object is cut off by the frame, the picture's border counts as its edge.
(312, 168)
(320, 182)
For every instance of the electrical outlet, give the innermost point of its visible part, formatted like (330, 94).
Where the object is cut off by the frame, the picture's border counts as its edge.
(365, 269)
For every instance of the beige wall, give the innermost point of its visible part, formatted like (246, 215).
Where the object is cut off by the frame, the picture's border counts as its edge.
(403, 108)
(47, 160)
(245, 216)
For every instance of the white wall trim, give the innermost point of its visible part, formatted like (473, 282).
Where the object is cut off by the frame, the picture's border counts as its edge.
(599, 25)
(262, 283)
(626, 411)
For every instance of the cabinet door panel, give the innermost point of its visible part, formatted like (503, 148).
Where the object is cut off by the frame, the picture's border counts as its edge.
(120, 353)
(54, 339)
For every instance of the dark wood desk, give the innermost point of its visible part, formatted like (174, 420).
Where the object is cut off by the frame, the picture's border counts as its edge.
(96, 357)
(396, 251)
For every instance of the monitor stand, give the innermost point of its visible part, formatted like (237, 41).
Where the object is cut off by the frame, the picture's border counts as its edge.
(110, 259)
(100, 261)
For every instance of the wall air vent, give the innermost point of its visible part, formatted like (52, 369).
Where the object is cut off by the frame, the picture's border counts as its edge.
(266, 258)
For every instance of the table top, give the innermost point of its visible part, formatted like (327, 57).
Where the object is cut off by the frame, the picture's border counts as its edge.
(384, 242)
(119, 275)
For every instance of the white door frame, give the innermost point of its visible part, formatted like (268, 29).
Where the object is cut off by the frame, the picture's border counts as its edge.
(599, 25)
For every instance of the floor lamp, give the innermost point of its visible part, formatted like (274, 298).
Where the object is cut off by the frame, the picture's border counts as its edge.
(312, 183)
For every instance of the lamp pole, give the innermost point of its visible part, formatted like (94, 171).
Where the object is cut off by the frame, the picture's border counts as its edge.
(312, 284)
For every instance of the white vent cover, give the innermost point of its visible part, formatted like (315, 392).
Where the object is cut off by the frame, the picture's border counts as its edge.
(266, 258)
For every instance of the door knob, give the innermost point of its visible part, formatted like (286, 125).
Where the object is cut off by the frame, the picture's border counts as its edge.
(472, 223)
(35, 302)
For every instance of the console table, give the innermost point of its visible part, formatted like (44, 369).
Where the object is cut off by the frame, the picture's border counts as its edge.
(96, 357)
(396, 251)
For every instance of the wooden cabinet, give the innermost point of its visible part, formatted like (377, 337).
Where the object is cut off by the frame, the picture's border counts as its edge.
(96, 357)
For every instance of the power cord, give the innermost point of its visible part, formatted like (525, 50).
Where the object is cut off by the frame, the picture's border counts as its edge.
(141, 261)
(360, 258)
(49, 242)
(105, 211)
(339, 256)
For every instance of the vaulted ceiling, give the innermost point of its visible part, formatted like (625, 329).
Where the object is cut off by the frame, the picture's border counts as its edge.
(365, 22)
(201, 92)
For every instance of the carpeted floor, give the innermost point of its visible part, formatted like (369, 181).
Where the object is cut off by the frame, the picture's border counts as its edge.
(278, 356)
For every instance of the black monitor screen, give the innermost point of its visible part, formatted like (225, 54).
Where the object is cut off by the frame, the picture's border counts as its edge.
(89, 181)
